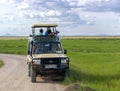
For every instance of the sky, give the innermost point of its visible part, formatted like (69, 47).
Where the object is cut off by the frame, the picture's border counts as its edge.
(74, 17)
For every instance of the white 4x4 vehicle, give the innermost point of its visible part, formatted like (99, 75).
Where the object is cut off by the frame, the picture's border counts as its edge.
(45, 54)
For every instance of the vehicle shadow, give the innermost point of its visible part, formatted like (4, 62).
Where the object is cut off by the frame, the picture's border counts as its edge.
(41, 79)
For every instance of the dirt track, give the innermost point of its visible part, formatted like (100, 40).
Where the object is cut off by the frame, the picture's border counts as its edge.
(13, 76)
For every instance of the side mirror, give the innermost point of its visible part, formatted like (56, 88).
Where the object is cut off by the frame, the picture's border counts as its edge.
(65, 51)
(30, 35)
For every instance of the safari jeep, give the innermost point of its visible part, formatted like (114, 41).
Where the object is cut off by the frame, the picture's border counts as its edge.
(45, 55)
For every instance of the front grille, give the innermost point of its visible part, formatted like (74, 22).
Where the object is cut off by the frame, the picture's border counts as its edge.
(51, 61)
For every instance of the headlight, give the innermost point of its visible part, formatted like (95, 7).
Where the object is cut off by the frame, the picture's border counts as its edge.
(36, 61)
(63, 61)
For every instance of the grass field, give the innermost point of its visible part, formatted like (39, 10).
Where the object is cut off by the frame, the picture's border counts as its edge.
(94, 62)
(17, 46)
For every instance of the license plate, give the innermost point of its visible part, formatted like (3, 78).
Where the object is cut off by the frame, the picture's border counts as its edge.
(50, 66)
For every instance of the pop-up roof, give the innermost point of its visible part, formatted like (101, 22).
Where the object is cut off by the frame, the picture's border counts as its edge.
(53, 26)
(44, 25)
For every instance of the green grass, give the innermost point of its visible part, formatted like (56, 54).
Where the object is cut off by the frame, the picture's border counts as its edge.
(1, 63)
(94, 62)
(13, 46)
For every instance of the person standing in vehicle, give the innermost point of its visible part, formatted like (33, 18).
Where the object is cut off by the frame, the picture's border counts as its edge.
(41, 32)
(48, 32)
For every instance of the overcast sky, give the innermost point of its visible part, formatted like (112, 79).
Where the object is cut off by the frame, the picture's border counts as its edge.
(74, 17)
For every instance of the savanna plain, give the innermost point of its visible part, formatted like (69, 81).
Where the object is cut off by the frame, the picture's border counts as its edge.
(94, 62)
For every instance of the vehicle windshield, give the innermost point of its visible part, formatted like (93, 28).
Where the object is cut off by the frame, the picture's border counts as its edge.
(54, 47)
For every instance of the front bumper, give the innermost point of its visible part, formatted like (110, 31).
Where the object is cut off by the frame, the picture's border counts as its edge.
(41, 68)
(51, 65)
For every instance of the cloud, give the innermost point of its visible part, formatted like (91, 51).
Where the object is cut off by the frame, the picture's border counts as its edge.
(90, 23)
(3, 1)
(8, 18)
(96, 5)
(89, 5)
(41, 14)
(104, 5)
(67, 13)
(1, 22)
(24, 6)
(47, 10)
(62, 10)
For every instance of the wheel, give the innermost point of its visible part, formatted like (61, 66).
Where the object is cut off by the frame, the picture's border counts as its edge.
(33, 75)
(29, 70)
(29, 73)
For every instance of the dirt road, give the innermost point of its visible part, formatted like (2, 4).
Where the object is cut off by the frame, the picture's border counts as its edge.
(13, 76)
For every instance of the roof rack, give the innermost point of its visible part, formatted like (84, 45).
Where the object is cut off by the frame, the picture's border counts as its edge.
(44, 25)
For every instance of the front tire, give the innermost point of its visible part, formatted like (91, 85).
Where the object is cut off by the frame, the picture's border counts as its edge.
(33, 75)
(29, 69)
(29, 73)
